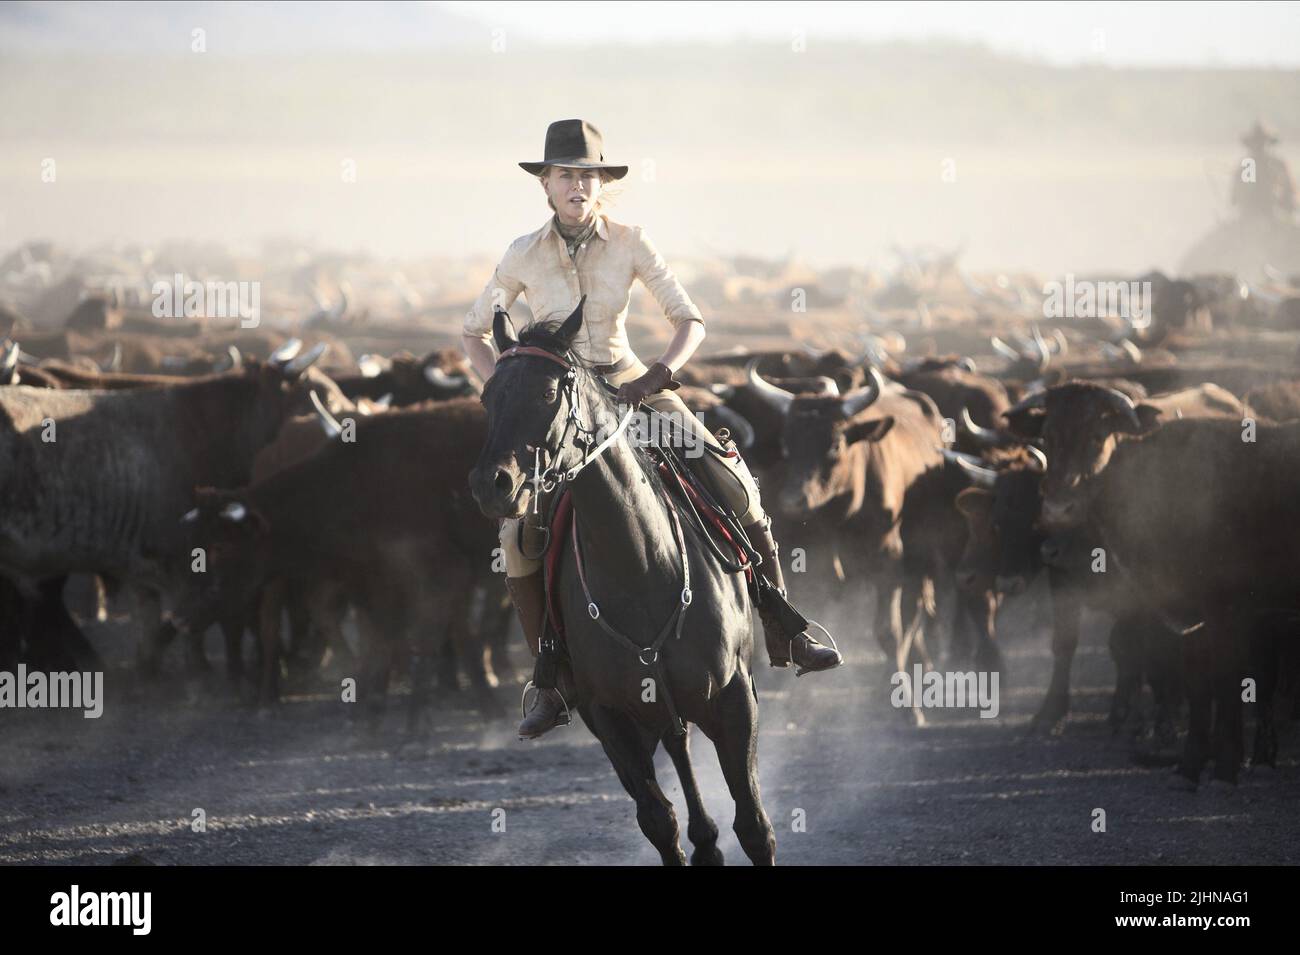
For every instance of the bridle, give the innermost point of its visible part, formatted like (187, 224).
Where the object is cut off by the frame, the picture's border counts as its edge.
(546, 479)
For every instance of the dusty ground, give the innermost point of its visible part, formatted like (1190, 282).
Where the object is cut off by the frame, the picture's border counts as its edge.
(304, 786)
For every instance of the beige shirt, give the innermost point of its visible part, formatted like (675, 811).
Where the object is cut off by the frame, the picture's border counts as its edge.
(538, 265)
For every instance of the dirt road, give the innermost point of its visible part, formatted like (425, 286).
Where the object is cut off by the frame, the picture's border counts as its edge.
(305, 786)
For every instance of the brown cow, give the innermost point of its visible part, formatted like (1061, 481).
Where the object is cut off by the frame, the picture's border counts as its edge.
(387, 516)
(1202, 516)
(859, 468)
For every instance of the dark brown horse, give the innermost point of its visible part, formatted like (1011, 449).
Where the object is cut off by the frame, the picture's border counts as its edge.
(541, 403)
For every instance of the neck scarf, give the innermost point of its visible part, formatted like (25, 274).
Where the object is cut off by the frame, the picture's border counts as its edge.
(574, 236)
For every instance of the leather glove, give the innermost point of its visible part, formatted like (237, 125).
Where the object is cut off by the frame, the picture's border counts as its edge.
(657, 378)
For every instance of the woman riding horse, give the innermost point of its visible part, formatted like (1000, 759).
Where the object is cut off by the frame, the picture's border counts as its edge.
(581, 252)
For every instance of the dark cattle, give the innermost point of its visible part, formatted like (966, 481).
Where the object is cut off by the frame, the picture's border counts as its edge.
(1081, 423)
(1019, 510)
(316, 608)
(857, 468)
(438, 376)
(957, 388)
(1203, 516)
(1006, 548)
(1279, 401)
(387, 517)
(93, 477)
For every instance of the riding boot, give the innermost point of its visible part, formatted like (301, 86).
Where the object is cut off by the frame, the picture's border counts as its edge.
(783, 646)
(548, 710)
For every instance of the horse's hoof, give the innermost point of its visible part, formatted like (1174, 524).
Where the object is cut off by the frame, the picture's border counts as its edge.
(707, 855)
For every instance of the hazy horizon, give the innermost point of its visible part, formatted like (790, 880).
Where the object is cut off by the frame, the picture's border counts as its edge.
(831, 151)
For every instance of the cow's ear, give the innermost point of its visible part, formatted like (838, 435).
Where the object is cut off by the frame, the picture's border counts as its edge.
(1148, 420)
(503, 333)
(872, 430)
(569, 330)
(974, 502)
(1027, 423)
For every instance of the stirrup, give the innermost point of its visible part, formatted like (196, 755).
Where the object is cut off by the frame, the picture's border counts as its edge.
(523, 702)
(800, 671)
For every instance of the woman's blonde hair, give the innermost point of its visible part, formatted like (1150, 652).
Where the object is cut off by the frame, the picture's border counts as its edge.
(607, 197)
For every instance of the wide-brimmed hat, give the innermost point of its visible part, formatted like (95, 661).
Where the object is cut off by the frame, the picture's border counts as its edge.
(575, 143)
(1260, 134)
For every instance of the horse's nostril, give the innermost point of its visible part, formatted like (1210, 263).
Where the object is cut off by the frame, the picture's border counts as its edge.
(503, 482)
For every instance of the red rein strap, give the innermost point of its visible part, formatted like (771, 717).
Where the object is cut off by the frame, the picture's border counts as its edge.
(712, 515)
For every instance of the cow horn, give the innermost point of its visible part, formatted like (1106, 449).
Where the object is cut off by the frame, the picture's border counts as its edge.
(115, 363)
(1123, 405)
(1062, 343)
(1133, 352)
(190, 516)
(440, 379)
(830, 387)
(384, 401)
(9, 364)
(985, 436)
(968, 364)
(308, 358)
(980, 476)
(285, 352)
(861, 398)
(1040, 459)
(329, 424)
(342, 308)
(1035, 400)
(233, 361)
(1040, 342)
(738, 424)
(725, 392)
(778, 398)
(234, 511)
(1264, 295)
(1003, 349)
(371, 365)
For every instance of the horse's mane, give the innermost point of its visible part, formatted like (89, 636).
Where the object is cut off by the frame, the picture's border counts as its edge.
(543, 334)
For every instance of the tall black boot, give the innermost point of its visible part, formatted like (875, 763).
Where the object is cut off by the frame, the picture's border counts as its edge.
(548, 710)
(786, 641)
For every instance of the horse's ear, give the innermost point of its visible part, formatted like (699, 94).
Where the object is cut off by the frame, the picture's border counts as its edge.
(569, 330)
(503, 333)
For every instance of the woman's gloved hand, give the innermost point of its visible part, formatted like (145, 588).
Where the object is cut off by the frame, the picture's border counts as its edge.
(657, 378)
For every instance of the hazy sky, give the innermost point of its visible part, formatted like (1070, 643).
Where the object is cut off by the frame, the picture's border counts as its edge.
(1147, 34)
(738, 141)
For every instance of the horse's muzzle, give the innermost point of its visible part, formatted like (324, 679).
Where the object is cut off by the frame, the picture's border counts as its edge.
(500, 491)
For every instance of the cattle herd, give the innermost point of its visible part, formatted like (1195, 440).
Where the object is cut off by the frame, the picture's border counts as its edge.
(315, 507)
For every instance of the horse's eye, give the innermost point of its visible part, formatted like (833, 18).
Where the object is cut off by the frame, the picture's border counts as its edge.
(550, 395)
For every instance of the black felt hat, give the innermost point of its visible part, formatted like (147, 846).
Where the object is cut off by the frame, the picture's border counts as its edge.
(575, 143)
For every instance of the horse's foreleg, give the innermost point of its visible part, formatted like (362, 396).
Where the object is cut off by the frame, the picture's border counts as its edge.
(700, 827)
(735, 735)
(632, 754)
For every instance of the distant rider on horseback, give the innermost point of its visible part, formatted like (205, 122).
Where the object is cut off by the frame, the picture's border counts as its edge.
(581, 252)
